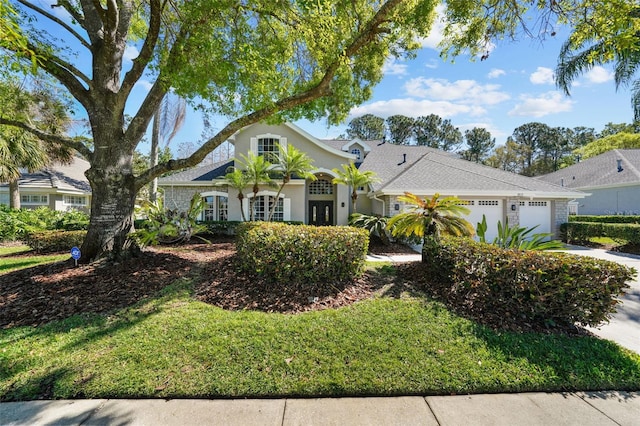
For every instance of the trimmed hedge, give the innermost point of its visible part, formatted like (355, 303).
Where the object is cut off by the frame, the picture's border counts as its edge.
(512, 288)
(576, 232)
(301, 254)
(54, 241)
(605, 219)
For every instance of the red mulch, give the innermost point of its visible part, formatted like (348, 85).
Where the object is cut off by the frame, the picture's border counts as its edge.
(38, 295)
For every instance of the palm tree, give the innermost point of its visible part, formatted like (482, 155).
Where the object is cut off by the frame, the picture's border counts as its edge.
(258, 172)
(429, 219)
(236, 179)
(289, 162)
(572, 62)
(351, 176)
(22, 150)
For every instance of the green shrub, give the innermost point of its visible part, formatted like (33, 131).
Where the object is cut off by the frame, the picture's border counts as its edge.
(509, 288)
(302, 254)
(54, 241)
(578, 232)
(605, 219)
(15, 224)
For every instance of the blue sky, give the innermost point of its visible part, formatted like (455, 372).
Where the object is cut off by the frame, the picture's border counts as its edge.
(514, 86)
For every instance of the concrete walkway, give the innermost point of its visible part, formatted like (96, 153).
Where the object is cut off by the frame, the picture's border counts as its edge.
(584, 409)
(579, 408)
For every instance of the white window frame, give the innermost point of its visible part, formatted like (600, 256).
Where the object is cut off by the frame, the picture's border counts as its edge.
(34, 203)
(286, 205)
(254, 142)
(216, 205)
(82, 198)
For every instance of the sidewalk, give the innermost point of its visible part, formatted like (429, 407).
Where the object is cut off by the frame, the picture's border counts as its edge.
(584, 409)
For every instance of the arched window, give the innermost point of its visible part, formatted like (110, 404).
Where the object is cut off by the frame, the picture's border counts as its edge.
(268, 146)
(217, 207)
(322, 186)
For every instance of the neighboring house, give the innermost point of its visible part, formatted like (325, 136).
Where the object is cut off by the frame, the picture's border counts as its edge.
(59, 187)
(423, 171)
(612, 179)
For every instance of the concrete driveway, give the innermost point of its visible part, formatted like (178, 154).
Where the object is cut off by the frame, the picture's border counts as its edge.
(624, 327)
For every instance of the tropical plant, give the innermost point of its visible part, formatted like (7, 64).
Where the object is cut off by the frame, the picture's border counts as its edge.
(169, 226)
(375, 224)
(518, 237)
(258, 172)
(236, 179)
(352, 177)
(428, 219)
(619, 45)
(290, 161)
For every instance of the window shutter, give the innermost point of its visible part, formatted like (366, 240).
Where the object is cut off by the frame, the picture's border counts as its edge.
(283, 145)
(245, 207)
(286, 209)
(254, 145)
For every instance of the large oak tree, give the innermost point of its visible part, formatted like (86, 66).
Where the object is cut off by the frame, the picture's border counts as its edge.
(247, 60)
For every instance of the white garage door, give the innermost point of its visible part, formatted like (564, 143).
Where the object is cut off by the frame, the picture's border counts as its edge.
(534, 213)
(491, 209)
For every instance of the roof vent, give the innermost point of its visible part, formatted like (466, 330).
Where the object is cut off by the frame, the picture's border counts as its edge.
(384, 140)
(619, 166)
(404, 159)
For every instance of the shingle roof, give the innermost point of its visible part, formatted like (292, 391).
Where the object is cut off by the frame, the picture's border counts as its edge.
(427, 170)
(598, 171)
(198, 174)
(62, 177)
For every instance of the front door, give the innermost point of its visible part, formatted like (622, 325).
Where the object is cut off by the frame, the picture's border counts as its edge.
(321, 213)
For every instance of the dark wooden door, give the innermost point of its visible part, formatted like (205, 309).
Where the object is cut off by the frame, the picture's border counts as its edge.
(321, 213)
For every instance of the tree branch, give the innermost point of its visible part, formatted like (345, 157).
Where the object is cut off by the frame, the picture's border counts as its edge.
(322, 88)
(57, 20)
(48, 137)
(146, 52)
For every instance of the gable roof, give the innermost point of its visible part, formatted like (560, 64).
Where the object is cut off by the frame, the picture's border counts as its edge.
(424, 170)
(198, 175)
(600, 171)
(61, 178)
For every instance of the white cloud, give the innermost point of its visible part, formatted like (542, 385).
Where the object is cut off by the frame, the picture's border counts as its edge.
(416, 108)
(393, 67)
(464, 91)
(130, 53)
(543, 75)
(432, 64)
(496, 72)
(541, 105)
(435, 35)
(599, 75)
(145, 84)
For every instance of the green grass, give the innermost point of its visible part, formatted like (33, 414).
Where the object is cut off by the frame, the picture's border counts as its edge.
(10, 262)
(173, 346)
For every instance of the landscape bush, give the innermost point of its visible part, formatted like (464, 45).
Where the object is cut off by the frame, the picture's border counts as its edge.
(54, 241)
(302, 254)
(605, 219)
(578, 232)
(15, 224)
(512, 288)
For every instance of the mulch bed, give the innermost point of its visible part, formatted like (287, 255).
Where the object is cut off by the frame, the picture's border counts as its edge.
(38, 295)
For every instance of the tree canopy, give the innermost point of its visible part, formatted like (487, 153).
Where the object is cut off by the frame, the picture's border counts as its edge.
(248, 61)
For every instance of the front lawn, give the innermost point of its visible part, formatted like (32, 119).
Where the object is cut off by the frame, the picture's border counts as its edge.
(396, 343)
(15, 257)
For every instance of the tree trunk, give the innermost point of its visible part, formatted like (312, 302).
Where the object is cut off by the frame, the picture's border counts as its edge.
(153, 156)
(14, 194)
(113, 201)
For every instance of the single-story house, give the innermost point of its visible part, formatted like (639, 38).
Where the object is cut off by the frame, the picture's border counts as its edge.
(612, 179)
(59, 187)
(424, 171)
